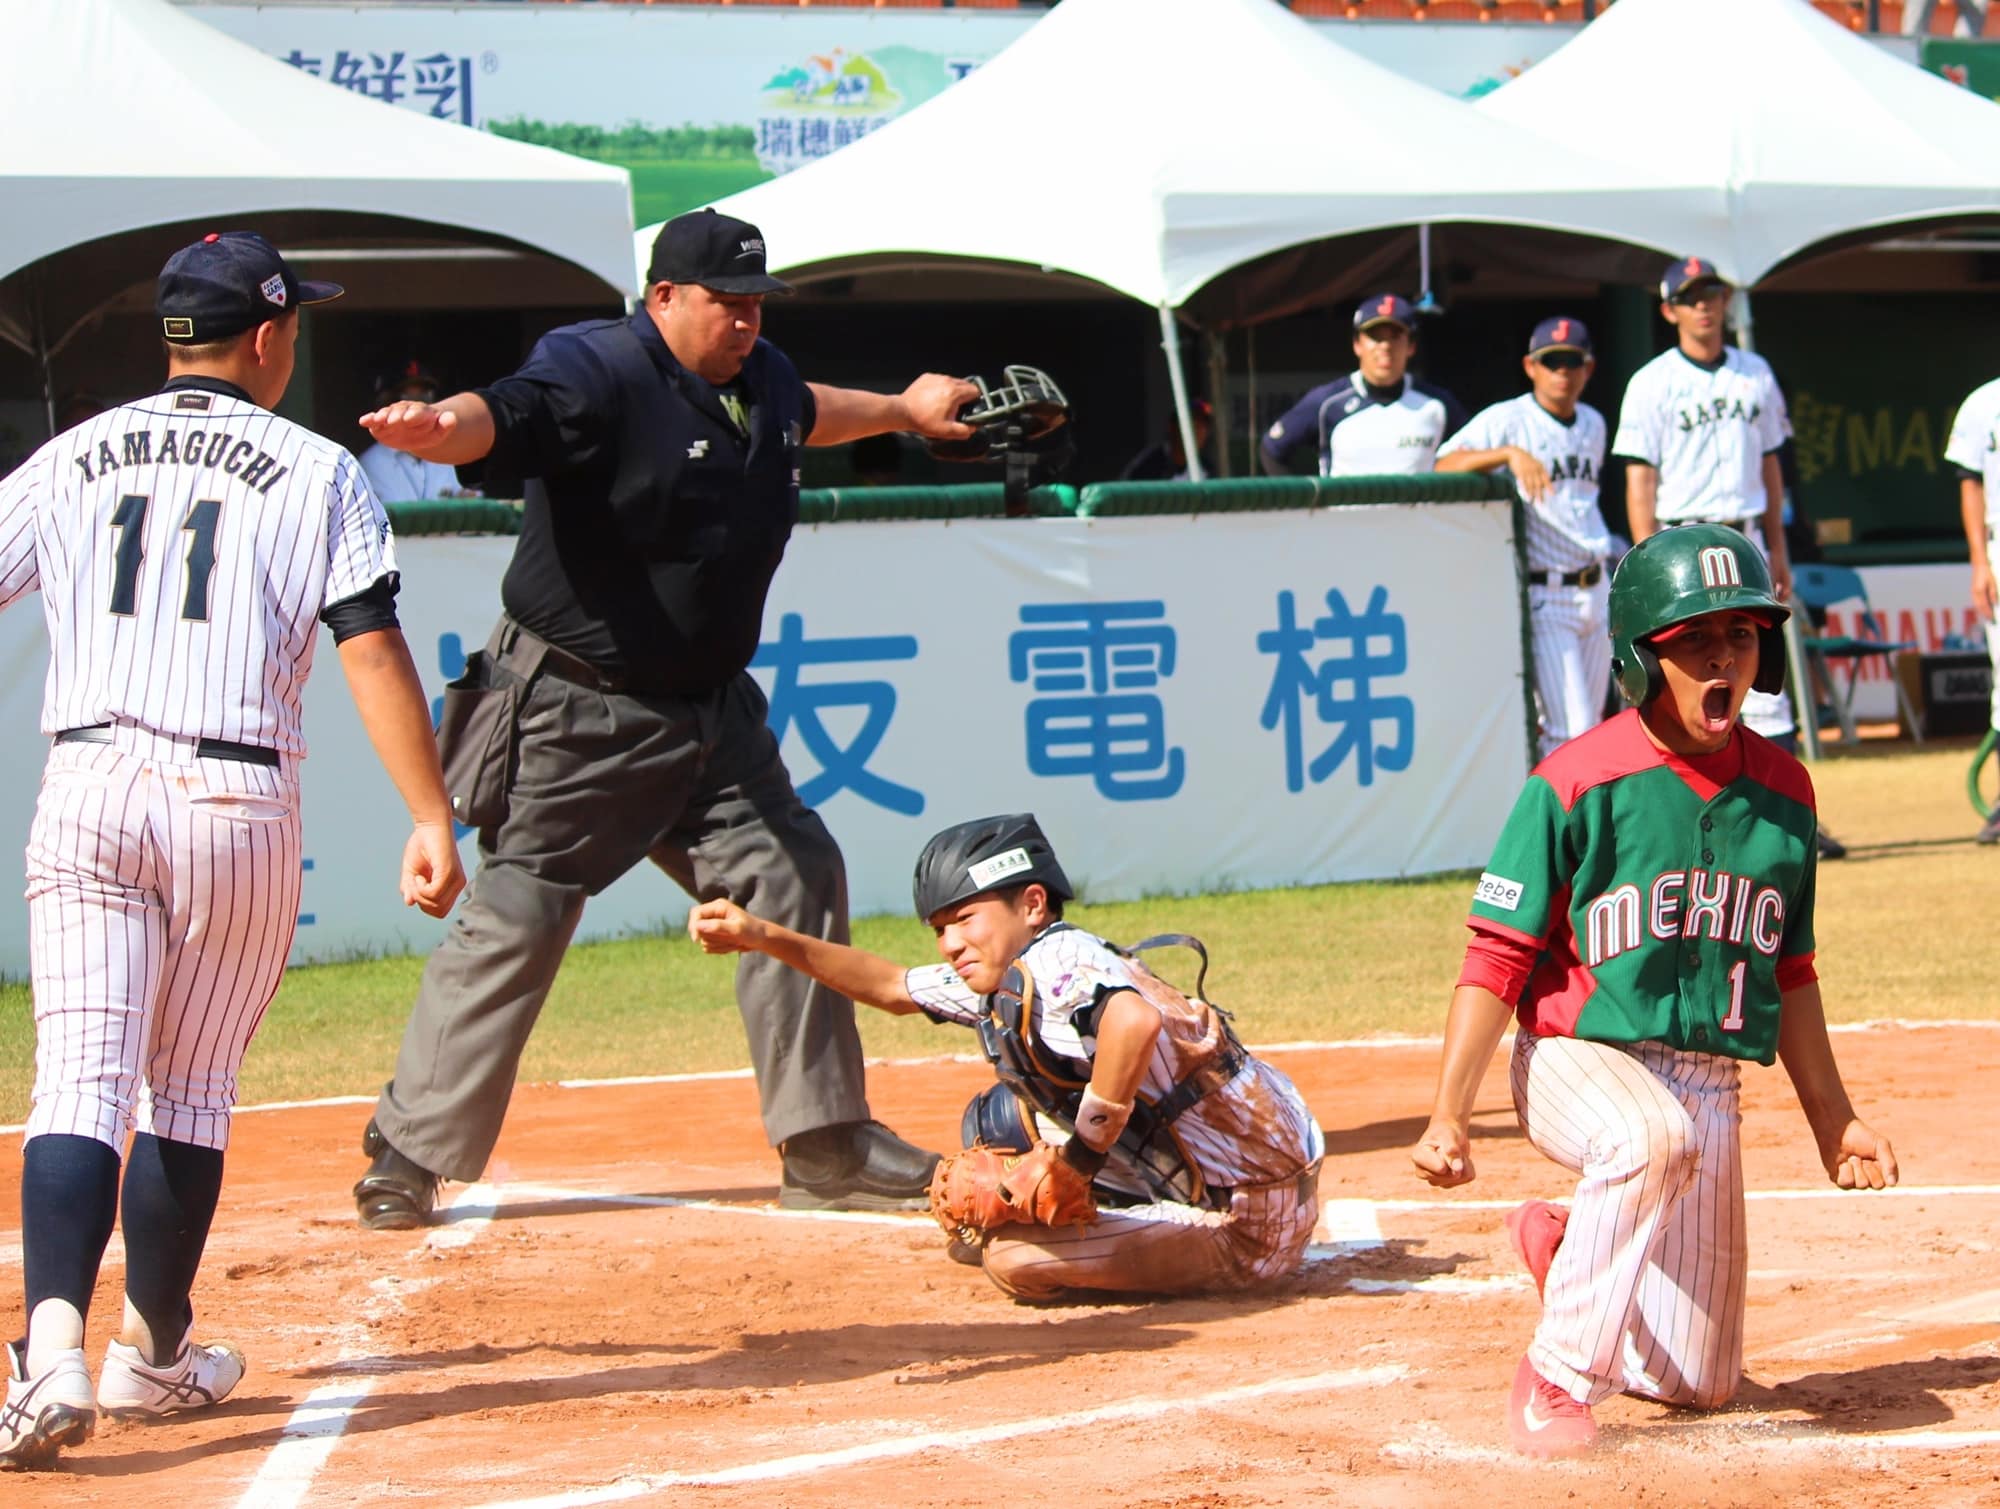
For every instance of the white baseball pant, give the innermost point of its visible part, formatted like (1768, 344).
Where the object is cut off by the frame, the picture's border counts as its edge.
(1572, 648)
(163, 892)
(1646, 1293)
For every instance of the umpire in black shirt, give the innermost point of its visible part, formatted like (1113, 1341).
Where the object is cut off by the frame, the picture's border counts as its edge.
(661, 454)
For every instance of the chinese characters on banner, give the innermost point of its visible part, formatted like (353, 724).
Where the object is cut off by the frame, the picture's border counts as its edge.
(1094, 670)
(439, 84)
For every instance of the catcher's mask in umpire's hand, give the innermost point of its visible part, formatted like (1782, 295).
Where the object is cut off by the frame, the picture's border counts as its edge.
(984, 855)
(1020, 412)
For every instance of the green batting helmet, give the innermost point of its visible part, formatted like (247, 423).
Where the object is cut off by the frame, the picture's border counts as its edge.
(1680, 574)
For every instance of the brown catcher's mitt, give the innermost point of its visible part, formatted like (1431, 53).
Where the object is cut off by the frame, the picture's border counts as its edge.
(984, 1187)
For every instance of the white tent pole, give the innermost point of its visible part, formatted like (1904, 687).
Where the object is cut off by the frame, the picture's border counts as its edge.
(1805, 714)
(1251, 463)
(1424, 263)
(1170, 342)
(1218, 397)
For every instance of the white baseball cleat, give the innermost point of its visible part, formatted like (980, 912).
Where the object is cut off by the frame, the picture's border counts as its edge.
(42, 1414)
(197, 1377)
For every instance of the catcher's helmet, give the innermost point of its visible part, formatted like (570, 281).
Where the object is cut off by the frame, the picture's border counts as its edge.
(1680, 574)
(984, 855)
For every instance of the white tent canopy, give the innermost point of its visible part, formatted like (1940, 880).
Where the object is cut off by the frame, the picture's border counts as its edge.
(1153, 145)
(1810, 131)
(123, 114)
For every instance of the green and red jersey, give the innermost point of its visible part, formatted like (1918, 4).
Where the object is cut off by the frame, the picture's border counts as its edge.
(1660, 899)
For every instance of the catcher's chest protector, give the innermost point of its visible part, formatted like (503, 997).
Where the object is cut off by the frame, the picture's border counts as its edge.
(1147, 1162)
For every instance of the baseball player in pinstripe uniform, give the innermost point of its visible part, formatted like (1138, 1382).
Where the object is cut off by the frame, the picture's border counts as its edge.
(1974, 451)
(1701, 428)
(1647, 917)
(1203, 1160)
(1553, 446)
(185, 546)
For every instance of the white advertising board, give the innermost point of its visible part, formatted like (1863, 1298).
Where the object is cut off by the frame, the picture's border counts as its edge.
(1188, 703)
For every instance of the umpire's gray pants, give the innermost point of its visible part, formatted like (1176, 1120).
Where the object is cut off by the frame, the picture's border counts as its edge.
(604, 781)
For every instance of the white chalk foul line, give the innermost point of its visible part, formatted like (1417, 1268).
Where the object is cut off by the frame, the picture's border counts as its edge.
(320, 1420)
(1328, 1045)
(958, 1440)
(304, 1445)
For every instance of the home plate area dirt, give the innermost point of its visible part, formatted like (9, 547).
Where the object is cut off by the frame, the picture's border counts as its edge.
(619, 1313)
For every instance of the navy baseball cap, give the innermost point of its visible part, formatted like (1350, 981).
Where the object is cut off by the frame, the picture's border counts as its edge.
(717, 251)
(1689, 272)
(226, 283)
(1560, 333)
(411, 374)
(1384, 309)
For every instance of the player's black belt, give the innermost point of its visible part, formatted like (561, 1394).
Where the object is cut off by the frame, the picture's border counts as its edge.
(1589, 576)
(205, 749)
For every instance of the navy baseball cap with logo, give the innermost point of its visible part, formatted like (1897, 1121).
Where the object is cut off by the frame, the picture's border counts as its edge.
(1689, 272)
(226, 283)
(719, 252)
(1560, 333)
(1384, 309)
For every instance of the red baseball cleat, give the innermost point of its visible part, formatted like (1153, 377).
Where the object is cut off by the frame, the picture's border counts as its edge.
(1544, 1421)
(1537, 1229)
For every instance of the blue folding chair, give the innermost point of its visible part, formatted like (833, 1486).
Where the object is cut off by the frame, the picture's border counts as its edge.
(1817, 585)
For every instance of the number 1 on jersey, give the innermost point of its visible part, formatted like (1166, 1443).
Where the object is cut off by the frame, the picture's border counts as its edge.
(1734, 1021)
(130, 522)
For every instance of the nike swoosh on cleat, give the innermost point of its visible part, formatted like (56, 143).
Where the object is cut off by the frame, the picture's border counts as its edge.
(1534, 1422)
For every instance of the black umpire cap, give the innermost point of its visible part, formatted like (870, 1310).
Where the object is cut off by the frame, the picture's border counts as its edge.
(226, 283)
(719, 252)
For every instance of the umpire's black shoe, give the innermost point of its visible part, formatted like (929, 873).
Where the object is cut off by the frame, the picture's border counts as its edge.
(854, 1165)
(1829, 846)
(1990, 833)
(395, 1194)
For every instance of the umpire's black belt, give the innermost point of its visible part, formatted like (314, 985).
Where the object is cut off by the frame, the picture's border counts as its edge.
(526, 652)
(1589, 576)
(205, 749)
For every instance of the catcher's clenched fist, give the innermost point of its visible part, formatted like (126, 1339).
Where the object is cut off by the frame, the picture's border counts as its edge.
(985, 1187)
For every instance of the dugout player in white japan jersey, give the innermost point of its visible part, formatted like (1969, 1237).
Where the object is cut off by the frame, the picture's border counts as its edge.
(186, 547)
(1701, 428)
(1377, 420)
(1974, 449)
(1552, 444)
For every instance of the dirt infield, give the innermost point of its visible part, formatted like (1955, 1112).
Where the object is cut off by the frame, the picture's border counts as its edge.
(620, 1313)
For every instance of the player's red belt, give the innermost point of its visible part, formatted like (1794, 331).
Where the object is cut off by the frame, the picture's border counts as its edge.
(205, 749)
(1589, 576)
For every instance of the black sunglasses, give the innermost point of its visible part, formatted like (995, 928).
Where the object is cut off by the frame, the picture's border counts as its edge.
(1562, 361)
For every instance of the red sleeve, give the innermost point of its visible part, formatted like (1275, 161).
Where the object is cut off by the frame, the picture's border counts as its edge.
(1795, 970)
(1499, 962)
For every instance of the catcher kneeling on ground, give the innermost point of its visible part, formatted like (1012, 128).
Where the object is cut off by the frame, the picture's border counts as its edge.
(1132, 1144)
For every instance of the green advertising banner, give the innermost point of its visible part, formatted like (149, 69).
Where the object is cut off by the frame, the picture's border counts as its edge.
(1970, 65)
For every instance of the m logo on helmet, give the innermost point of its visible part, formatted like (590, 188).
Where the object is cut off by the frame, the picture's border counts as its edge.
(1719, 567)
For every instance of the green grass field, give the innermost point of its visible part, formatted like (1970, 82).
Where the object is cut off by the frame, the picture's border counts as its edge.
(1902, 931)
(662, 188)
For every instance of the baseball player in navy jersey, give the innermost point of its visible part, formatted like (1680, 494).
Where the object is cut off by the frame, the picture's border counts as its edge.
(186, 546)
(1647, 918)
(1201, 1161)
(1974, 449)
(1376, 420)
(1553, 446)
